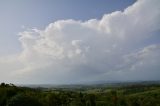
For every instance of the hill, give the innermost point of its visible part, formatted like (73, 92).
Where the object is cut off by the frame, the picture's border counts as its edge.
(119, 94)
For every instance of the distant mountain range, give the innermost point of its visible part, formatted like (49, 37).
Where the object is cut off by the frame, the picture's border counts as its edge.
(91, 84)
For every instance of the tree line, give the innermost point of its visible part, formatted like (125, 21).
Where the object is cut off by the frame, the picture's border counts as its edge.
(11, 95)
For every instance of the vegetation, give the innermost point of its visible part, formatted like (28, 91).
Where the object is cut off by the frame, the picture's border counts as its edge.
(130, 95)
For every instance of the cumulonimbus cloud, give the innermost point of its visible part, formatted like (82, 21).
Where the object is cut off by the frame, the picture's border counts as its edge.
(111, 48)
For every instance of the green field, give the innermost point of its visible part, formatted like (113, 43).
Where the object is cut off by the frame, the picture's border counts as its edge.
(135, 94)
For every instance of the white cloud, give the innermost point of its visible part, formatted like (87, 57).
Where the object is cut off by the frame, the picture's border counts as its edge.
(105, 49)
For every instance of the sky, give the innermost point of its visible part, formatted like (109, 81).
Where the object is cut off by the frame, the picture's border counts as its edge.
(75, 41)
(18, 15)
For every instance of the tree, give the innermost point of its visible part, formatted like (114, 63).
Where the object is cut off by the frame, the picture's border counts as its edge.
(91, 100)
(22, 100)
(114, 97)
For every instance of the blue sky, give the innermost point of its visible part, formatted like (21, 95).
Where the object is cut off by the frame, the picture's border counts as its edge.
(39, 13)
(74, 41)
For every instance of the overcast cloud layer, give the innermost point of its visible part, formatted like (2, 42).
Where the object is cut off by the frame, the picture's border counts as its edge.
(70, 51)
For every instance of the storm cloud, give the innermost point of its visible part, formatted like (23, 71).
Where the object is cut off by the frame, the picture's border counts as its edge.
(69, 51)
